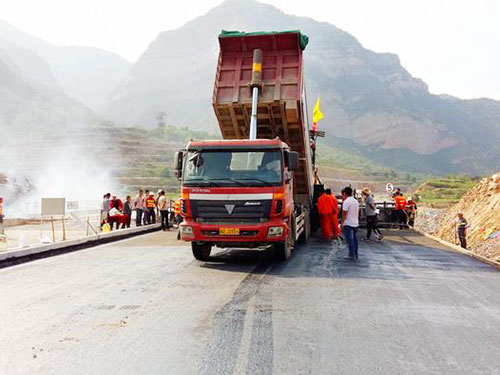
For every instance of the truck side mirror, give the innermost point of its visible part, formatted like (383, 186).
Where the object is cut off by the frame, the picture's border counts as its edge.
(179, 157)
(292, 160)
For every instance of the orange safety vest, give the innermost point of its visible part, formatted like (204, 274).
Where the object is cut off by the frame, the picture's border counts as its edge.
(177, 207)
(400, 202)
(150, 202)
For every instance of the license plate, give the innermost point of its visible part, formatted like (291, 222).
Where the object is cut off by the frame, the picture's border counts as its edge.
(229, 231)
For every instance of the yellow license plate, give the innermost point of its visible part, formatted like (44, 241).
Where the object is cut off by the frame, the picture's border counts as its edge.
(229, 231)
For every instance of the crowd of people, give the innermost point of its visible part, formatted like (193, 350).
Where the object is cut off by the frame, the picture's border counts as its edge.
(349, 212)
(148, 207)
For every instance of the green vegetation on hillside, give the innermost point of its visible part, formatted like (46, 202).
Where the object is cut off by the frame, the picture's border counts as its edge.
(445, 190)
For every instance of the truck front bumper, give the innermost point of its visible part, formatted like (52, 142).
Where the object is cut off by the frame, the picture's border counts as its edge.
(255, 234)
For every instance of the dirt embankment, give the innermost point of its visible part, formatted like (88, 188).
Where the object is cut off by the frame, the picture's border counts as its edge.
(481, 207)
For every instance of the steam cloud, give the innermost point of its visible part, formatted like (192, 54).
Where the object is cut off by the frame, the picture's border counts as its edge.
(36, 162)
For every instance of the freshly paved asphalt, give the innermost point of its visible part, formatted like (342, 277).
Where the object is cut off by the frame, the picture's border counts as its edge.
(140, 307)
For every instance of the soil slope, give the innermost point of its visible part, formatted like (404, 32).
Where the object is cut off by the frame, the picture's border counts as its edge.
(481, 208)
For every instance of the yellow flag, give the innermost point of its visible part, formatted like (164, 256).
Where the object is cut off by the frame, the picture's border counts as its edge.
(317, 114)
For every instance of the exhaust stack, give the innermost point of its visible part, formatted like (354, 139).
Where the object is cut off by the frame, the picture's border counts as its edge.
(256, 85)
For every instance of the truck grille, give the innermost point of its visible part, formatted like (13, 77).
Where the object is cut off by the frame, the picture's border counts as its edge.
(244, 233)
(228, 211)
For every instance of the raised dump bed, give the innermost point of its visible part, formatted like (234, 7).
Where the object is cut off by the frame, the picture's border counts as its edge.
(282, 108)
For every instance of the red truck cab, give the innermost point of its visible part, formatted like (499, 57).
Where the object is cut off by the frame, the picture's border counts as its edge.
(237, 193)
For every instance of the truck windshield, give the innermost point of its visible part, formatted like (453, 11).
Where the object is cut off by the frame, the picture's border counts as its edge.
(233, 168)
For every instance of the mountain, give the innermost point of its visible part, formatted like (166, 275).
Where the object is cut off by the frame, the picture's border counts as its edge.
(86, 74)
(27, 63)
(30, 98)
(372, 105)
(486, 111)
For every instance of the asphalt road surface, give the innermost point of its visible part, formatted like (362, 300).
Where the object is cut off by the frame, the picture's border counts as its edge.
(140, 307)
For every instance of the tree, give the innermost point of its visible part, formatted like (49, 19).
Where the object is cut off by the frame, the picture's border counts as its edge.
(161, 118)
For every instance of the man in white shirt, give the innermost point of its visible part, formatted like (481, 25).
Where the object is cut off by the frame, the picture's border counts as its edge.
(350, 222)
(163, 208)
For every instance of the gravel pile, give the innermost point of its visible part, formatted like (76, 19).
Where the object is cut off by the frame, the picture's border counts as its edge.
(429, 219)
(489, 249)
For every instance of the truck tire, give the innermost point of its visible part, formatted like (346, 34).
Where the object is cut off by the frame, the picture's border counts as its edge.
(283, 250)
(201, 252)
(304, 236)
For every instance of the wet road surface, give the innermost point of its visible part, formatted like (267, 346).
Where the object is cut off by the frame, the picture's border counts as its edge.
(139, 307)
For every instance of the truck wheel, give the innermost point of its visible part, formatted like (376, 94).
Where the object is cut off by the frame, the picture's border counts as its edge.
(283, 250)
(304, 236)
(201, 252)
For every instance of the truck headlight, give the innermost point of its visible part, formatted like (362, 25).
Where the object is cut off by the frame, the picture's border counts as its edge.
(275, 232)
(186, 230)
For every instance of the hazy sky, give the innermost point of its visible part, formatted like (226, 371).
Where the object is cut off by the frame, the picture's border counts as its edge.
(453, 45)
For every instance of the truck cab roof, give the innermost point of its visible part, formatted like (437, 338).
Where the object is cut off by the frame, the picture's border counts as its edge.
(237, 144)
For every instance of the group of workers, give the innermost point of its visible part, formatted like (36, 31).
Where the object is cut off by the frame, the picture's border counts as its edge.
(405, 210)
(329, 210)
(147, 207)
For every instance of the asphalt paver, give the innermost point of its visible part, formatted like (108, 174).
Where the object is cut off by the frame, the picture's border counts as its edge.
(145, 306)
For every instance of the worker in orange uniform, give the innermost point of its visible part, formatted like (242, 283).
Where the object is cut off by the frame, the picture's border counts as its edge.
(150, 208)
(400, 202)
(335, 213)
(325, 213)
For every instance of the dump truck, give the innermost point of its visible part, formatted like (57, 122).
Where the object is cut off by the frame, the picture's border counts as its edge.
(254, 188)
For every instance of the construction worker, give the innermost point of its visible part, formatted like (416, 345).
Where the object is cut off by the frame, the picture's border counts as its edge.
(350, 221)
(157, 197)
(105, 208)
(371, 216)
(150, 208)
(335, 213)
(400, 209)
(146, 219)
(411, 210)
(397, 192)
(325, 213)
(163, 208)
(127, 211)
(461, 230)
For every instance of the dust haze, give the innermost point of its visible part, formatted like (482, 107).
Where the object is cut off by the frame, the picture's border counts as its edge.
(37, 164)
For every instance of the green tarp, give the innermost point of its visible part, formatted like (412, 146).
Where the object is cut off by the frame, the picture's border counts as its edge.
(303, 39)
